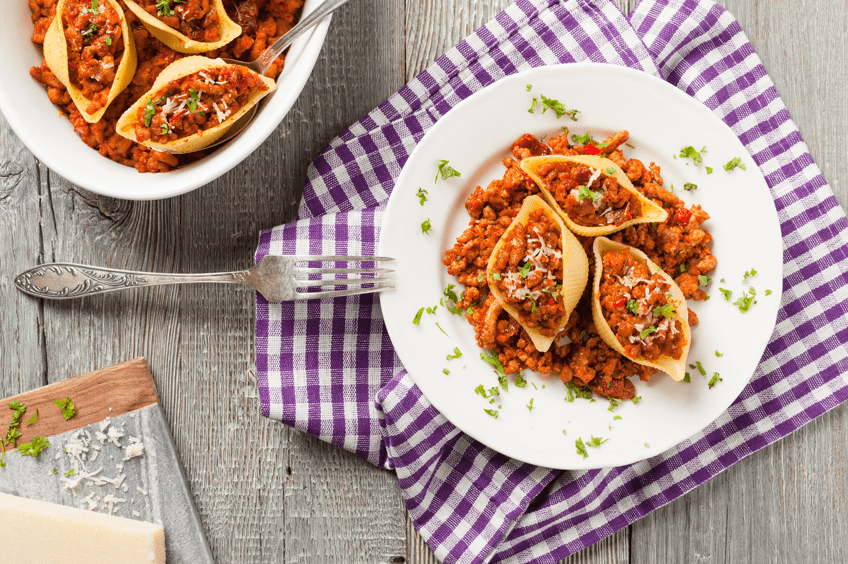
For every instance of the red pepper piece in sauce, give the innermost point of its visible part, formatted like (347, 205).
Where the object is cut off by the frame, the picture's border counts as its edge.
(592, 150)
(683, 215)
(621, 302)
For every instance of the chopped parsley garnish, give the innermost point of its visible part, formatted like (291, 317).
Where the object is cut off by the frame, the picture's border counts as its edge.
(632, 306)
(13, 434)
(647, 331)
(533, 307)
(556, 106)
(748, 274)
(525, 270)
(492, 412)
(445, 171)
(533, 105)
(425, 226)
(683, 267)
(195, 98)
(520, 382)
(422, 196)
(67, 407)
(709, 169)
(690, 153)
(108, 40)
(163, 128)
(744, 303)
(442, 330)
(637, 399)
(595, 442)
(34, 447)
(666, 311)
(456, 354)
(495, 276)
(529, 87)
(617, 418)
(564, 433)
(87, 33)
(70, 472)
(576, 392)
(584, 336)
(445, 371)
(163, 8)
(581, 448)
(480, 277)
(613, 403)
(530, 405)
(726, 294)
(499, 369)
(687, 378)
(610, 171)
(718, 354)
(94, 7)
(418, 315)
(735, 162)
(481, 391)
(689, 186)
(584, 192)
(582, 140)
(149, 112)
(432, 310)
(33, 419)
(768, 292)
(699, 367)
(452, 299)
(714, 380)
(703, 280)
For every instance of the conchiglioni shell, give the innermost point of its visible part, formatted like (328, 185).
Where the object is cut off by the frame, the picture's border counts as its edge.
(651, 212)
(575, 269)
(176, 70)
(56, 56)
(674, 368)
(176, 40)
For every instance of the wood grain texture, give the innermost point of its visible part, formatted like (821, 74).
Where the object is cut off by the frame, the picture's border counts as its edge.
(269, 494)
(108, 392)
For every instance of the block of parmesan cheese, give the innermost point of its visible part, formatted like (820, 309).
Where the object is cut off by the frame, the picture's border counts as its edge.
(37, 532)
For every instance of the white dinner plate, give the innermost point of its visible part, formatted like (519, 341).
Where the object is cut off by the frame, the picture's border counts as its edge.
(474, 137)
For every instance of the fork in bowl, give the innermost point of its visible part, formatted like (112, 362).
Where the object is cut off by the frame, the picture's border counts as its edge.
(277, 278)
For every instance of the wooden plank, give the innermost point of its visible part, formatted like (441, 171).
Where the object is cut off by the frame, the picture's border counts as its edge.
(129, 386)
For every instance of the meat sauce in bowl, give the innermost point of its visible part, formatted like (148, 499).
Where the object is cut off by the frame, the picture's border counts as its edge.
(578, 355)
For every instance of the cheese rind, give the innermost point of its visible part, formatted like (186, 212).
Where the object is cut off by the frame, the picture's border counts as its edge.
(37, 532)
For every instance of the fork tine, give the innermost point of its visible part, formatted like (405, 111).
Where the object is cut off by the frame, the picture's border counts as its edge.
(341, 270)
(342, 281)
(337, 293)
(334, 258)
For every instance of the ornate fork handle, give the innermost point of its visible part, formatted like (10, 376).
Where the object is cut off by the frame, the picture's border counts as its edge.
(64, 280)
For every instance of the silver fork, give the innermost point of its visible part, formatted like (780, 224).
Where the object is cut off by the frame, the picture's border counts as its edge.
(277, 278)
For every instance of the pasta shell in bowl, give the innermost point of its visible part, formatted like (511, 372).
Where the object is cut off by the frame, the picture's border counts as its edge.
(90, 49)
(187, 26)
(192, 104)
(591, 193)
(638, 309)
(538, 271)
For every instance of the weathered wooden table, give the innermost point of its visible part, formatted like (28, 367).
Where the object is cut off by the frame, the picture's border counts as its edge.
(269, 494)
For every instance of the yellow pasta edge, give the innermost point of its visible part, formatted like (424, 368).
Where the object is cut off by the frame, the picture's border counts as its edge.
(651, 212)
(674, 368)
(56, 57)
(178, 41)
(179, 69)
(575, 270)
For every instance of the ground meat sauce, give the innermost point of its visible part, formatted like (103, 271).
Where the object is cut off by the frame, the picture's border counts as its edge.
(262, 23)
(196, 19)
(578, 355)
(589, 196)
(639, 308)
(95, 47)
(528, 270)
(196, 103)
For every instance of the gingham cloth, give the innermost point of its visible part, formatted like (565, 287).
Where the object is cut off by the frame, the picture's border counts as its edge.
(328, 367)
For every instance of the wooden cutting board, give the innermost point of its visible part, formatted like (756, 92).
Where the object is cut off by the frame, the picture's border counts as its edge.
(153, 485)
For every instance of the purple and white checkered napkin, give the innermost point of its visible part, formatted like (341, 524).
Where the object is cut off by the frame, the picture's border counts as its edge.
(328, 367)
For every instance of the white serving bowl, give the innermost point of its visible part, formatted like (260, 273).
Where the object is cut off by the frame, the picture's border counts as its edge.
(51, 138)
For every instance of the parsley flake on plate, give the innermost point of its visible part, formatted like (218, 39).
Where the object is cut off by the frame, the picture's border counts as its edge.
(520, 382)
(456, 354)
(768, 292)
(690, 153)
(647, 331)
(613, 403)
(577, 392)
(595, 442)
(442, 330)
(735, 162)
(556, 106)
(581, 448)
(709, 169)
(417, 319)
(432, 310)
(632, 306)
(33, 419)
(718, 354)
(446, 171)
(749, 273)
(745, 302)
(726, 294)
(617, 418)
(584, 192)
(582, 140)
(34, 447)
(491, 412)
(714, 380)
(445, 371)
(525, 270)
(426, 227)
(70, 472)
(689, 186)
(529, 406)
(687, 378)
(637, 399)
(666, 311)
(533, 105)
(703, 280)
(422, 196)
(529, 87)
